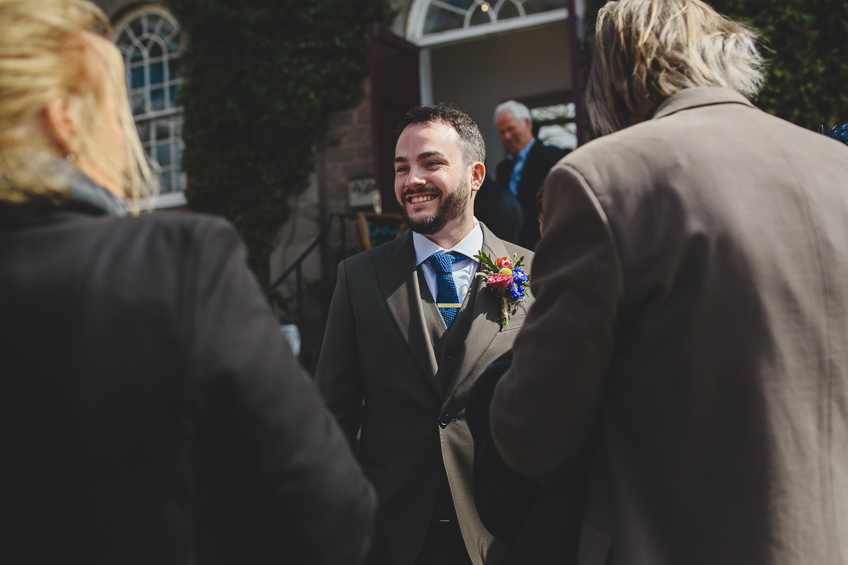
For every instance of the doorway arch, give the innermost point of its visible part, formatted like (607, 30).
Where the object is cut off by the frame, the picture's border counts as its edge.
(435, 22)
(478, 53)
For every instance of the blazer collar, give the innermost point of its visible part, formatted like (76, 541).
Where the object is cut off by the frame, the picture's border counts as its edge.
(398, 280)
(485, 323)
(701, 96)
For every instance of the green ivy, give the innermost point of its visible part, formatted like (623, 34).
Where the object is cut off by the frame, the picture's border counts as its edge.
(261, 79)
(803, 42)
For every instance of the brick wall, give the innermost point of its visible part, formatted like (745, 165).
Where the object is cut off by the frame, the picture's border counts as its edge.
(347, 156)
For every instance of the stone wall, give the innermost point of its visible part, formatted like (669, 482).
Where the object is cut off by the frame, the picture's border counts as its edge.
(349, 153)
(347, 156)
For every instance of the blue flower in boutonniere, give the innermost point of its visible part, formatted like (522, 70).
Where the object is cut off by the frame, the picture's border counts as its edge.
(506, 278)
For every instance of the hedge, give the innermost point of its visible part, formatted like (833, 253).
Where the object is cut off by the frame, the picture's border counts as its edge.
(261, 79)
(804, 44)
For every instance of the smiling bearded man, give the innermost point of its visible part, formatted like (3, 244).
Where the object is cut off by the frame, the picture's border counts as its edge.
(389, 344)
(454, 205)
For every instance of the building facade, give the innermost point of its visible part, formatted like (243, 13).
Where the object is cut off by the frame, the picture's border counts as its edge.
(472, 53)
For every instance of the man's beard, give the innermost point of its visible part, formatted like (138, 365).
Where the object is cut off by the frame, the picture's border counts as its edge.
(453, 206)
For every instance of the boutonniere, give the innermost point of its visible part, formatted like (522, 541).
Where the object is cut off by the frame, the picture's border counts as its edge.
(506, 278)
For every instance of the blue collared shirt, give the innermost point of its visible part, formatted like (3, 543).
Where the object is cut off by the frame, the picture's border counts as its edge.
(519, 161)
(463, 271)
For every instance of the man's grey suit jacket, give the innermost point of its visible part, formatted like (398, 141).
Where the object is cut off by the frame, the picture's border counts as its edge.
(692, 312)
(379, 346)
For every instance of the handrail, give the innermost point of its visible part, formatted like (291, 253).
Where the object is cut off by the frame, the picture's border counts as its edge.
(296, 264)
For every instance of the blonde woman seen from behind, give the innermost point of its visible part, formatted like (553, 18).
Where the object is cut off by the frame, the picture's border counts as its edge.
(153, 412)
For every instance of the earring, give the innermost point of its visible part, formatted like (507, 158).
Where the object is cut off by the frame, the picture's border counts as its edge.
(71, 157)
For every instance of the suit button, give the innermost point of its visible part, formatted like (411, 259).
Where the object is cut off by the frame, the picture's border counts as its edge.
(450, 355)
(445, 420)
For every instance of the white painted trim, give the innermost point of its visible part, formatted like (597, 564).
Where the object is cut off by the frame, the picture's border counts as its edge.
(417, 16)
(167, 200)
(460, 35)
(166, 113)
(140, 11)
(426, 76)
(580, 8)
(171, 199)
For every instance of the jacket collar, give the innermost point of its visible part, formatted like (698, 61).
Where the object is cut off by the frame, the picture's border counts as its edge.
(398, 280)
(486, 320)
(696, 97)
(87, 197)
(81, 196)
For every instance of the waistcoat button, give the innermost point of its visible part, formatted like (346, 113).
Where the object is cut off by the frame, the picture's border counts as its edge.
(445, 420)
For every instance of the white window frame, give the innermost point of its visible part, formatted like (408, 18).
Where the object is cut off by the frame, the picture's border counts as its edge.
(176, 197)
(418, 18)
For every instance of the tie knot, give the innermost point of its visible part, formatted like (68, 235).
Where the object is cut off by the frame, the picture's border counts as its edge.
(442, 262)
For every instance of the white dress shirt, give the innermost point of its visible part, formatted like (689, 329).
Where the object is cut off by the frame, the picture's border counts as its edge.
(463, 271)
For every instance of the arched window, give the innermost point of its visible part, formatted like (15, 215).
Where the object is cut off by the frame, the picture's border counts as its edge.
(436, 21)
(150, 40)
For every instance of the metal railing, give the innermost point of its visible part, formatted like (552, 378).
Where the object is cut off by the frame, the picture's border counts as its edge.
(372, 229)
(296, 267)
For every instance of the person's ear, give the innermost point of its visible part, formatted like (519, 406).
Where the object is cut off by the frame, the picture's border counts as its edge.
(478, 173)
(60, 126)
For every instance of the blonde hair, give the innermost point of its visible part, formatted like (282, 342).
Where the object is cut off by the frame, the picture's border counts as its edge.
(57, 50)
(647, 50)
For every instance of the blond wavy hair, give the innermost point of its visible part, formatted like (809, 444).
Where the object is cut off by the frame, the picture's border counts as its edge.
(58, 50)
(647, 50)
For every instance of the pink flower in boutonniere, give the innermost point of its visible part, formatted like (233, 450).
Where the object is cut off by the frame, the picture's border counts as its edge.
(499, 280)
(506, 278)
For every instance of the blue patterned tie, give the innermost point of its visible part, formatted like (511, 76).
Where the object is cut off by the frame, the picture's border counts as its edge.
(447, 298)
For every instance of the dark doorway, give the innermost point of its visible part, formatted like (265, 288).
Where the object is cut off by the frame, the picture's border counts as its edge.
(395, 88)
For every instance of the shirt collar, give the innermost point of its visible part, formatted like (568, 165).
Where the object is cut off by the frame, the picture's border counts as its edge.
(470, 245)
(522, 153)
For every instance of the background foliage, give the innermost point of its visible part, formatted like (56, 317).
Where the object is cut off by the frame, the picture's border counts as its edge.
(804, 42)
(262, 78)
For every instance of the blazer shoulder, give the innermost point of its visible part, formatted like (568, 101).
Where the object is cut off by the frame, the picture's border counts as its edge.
(153, 237)
(490, 239)
(390, 250)
(174, 229)
(160, 247)
(513, 249)
(185, 222)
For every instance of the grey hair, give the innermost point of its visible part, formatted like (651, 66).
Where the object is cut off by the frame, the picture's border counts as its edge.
(648, 50)
(519, 110)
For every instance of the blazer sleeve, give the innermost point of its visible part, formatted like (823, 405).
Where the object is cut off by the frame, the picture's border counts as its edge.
(544, 408)
(503, 497)
(292, 480)
(338, 376)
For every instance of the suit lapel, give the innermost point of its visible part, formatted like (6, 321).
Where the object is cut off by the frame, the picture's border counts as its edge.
(398, 280)
(485, 323)
(530, 164)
